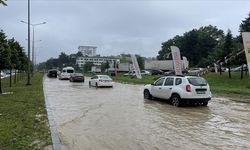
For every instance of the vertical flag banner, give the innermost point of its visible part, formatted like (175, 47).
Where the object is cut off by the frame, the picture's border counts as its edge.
(246, 42)
(177, 60)
(136, 67)
(185, 62)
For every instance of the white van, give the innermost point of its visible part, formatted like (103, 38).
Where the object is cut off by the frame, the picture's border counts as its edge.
(66, 72)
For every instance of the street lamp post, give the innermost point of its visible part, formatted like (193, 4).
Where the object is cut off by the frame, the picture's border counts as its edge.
(28, 80)
(33, 44)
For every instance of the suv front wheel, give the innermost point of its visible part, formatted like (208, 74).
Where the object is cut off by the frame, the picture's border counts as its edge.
(175, 99)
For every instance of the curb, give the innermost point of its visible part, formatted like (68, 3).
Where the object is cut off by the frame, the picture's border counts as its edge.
(52, 125)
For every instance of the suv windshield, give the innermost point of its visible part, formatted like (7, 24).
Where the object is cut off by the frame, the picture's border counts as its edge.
(197, 81)
(70, 71)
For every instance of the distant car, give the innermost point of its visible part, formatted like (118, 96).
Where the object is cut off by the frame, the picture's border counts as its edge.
(76, 77)
(172, 72)
(239, 68)
(132, 73)
(197, 71)
(101, 81)
(52, 73)
(155, 71)
(179, 90)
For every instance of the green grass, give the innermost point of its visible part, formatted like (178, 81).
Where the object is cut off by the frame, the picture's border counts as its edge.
(23, 117)
(223, 84)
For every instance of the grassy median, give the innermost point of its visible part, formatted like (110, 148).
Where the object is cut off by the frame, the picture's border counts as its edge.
(23, 117)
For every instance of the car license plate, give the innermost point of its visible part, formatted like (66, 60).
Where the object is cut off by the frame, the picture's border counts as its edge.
(200, 92)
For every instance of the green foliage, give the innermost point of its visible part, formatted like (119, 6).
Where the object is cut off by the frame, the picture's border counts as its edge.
(245, 25)
(51, 63)
(11, 55)
(14, 60)
(4, 51)
(141, 62)
(3, 2)
(195, 44)
(87, 66)
(63, 60)
(104, 66)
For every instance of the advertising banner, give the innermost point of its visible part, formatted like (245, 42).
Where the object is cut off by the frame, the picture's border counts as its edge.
(136, 67)
(185, 62)
(246, 43)
(177, 60)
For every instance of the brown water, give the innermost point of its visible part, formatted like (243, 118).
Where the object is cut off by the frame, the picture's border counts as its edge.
(120, 119)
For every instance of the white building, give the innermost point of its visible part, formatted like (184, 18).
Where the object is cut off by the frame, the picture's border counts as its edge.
(80, 61)
(87, 50)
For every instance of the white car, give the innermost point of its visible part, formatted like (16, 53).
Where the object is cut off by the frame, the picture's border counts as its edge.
(101, 81)
(179, 90)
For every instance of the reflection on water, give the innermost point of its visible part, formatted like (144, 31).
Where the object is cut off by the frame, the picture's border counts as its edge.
(119, 118)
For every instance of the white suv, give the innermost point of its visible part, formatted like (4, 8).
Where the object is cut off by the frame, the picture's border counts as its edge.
(180, 90)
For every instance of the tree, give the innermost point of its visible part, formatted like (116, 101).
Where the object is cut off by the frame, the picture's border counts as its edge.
(105, 66)
(13, 56)
(63, 60)
(228, 48)
(52, 63)
(245, 25)
(141, 62)
(87, 66)
(4, 55)
(3, 2)
(196, 45)
(79, 54)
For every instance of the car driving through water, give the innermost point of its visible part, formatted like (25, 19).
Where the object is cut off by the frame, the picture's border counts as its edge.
(101, 81)
(179, 90)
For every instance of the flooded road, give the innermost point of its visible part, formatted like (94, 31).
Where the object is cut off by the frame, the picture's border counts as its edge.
(120, 119)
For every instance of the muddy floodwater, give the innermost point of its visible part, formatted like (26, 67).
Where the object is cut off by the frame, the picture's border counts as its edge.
(120, 119)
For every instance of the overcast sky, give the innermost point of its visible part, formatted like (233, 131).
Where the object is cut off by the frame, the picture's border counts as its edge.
(116, 26)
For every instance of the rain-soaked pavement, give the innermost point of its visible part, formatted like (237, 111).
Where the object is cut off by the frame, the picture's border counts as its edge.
(120, 119)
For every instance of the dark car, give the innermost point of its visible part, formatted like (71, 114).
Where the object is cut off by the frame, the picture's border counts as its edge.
(76, 77)
(52, 73)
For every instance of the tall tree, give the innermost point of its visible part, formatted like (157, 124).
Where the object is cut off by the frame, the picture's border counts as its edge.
(52, 63)
(196, 44)
(245, 25)
(3, 2)
(141, 62)
(13, 56)
(105, 66)
(4, 55)
(87, 66)
(63, 60)
(228, 48)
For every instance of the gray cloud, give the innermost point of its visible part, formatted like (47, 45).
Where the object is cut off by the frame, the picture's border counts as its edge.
(115, 27)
